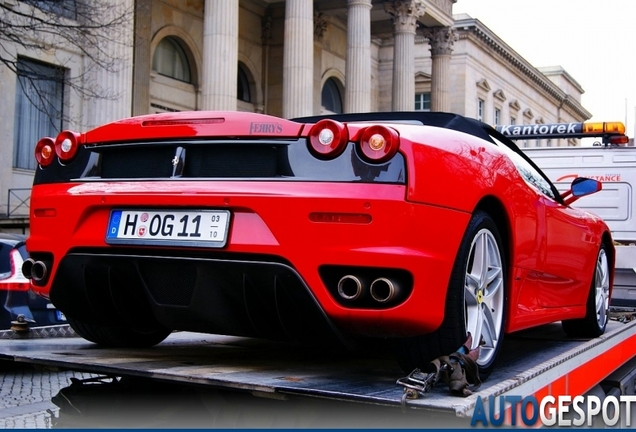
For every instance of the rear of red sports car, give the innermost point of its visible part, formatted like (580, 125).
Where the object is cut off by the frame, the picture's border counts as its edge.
(250, 225)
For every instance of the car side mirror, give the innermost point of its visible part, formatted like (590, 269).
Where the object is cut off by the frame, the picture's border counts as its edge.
(580, 187)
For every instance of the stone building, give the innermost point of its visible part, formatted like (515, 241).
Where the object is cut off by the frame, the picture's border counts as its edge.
(285, 58)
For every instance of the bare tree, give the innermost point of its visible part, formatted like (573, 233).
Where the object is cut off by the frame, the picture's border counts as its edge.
(87, 27)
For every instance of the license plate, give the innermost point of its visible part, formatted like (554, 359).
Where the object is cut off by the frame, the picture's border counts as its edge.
(199, 228)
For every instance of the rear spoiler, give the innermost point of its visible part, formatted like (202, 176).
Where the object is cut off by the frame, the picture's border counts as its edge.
(613, 133)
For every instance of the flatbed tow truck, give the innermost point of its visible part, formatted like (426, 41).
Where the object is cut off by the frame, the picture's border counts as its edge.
(537, 362)
(534, 364)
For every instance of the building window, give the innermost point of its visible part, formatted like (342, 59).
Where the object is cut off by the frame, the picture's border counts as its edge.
(480, 109)
(497, 119)
(170, 60)
(331, 98)
(243, 86)
(513, 120)
(422, 101)
(157, 108)
(65, 8)
(39, 102)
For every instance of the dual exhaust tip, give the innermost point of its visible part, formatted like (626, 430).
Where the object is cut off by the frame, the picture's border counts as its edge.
(36, 270)
(382, 290)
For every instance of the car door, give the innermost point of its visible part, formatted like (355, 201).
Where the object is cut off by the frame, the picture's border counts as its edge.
(564, 249)
(570, 256)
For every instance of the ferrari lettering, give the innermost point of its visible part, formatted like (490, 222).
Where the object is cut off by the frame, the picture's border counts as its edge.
(260, 128)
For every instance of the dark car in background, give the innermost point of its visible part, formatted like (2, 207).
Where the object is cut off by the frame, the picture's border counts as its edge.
(16, 297)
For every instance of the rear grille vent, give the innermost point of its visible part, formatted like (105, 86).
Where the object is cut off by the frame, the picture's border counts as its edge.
(231, 161)
(169, 283)
(136, 162)
(193, 161)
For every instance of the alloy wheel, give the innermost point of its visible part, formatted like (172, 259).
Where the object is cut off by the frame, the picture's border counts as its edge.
(484, 295)
(601, 282)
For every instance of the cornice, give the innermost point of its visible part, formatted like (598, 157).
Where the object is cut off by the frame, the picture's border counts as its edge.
(473, 28)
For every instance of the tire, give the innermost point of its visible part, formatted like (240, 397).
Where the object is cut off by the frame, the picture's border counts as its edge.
(597, 306)
(475, 302)
(118, 337)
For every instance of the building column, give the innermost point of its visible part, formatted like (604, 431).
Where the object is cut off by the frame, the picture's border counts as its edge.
(142, 61)
(441, 40)
(358, 63)
(298, 58)
(220, 55)
(114, 83)
(404, 14)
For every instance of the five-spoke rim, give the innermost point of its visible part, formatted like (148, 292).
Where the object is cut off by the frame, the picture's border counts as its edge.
(601, 283)
(484, 295)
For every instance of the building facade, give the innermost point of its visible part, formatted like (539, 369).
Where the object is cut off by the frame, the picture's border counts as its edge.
(285, 58)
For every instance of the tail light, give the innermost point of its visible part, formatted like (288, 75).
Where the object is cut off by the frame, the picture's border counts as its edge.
(66, 145)
(45, 151)
(379, 143)
(14, 286)
(328, 139)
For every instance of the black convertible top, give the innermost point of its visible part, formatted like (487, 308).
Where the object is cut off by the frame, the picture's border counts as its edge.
(439, 119)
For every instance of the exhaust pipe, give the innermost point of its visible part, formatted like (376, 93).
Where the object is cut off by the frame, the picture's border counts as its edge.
(384, 290)
(40, 270)
(350, 287)
(27, 265)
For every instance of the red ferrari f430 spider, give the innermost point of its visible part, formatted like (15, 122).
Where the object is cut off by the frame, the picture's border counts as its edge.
(415, 227)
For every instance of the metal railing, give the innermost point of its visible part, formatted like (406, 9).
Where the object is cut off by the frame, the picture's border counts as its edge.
(18, 202)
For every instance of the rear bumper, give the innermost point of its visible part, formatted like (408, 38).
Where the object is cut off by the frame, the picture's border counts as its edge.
(274, 250)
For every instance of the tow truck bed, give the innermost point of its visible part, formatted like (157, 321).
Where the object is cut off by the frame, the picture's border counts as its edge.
(536, 362)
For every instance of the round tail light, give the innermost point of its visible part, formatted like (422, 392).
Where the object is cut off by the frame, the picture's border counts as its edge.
(379, 143)
(328, 139)
(45, 151)
(66, 145)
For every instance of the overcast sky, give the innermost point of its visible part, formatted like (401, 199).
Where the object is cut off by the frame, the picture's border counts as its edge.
(594, 41)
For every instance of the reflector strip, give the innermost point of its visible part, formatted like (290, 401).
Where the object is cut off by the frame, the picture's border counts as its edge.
(182, 122)
(47, 212)
(15, 286)
(356, 218)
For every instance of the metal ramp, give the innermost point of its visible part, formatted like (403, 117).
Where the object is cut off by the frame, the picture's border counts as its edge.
(530, 361)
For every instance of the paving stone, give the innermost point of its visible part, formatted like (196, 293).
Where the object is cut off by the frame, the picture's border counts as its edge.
(26, 392)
